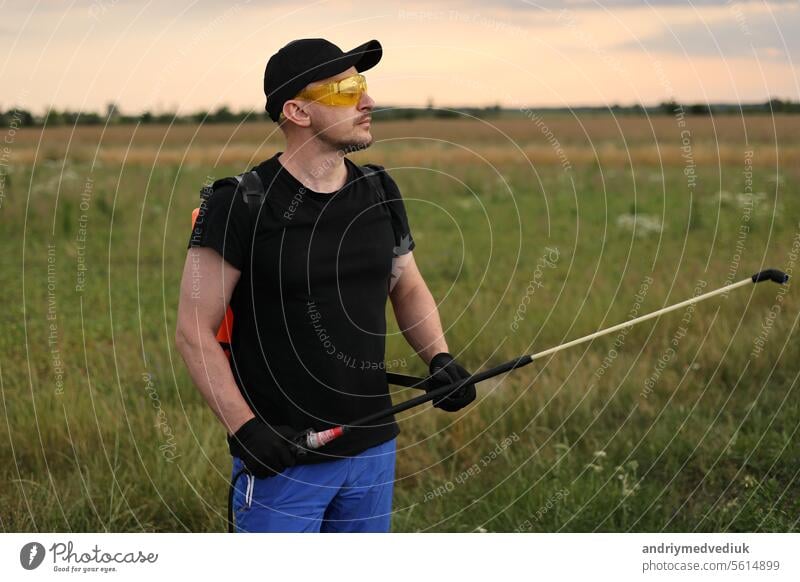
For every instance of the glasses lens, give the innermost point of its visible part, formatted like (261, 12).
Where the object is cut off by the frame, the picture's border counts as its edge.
(349, 91)
(346, 92)
(354, 84)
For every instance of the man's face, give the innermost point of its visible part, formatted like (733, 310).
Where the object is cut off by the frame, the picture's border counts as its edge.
(345, 128)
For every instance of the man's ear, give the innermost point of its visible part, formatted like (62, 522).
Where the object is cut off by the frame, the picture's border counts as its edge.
(294, 111)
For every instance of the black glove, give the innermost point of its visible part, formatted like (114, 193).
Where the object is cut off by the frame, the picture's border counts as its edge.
(445, 370)
(264, 449)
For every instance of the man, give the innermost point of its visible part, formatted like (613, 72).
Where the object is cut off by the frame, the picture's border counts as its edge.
(308, 291)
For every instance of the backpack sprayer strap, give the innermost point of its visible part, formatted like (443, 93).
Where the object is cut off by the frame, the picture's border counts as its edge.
(373, 175)
(252, 190)
(374, 179)
(250, 186)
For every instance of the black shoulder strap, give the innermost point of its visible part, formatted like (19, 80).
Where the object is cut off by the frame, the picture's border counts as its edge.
(373, 174)
(250, 186)
(252, 189)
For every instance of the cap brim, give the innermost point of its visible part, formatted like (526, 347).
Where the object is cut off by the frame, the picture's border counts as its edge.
(362, 57)
(365, 56)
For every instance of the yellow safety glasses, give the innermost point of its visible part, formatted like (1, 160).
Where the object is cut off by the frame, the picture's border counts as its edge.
(344, 93)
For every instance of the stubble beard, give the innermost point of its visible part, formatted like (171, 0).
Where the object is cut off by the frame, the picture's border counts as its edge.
(345, 145)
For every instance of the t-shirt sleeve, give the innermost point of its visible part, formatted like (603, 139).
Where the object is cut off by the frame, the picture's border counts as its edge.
(223, 224)
(404, 240)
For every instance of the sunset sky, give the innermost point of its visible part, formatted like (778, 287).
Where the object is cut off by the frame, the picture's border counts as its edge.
(184, 56)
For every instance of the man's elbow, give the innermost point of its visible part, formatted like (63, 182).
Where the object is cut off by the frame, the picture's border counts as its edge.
(186, 337)
(181, 340)
(191, 335)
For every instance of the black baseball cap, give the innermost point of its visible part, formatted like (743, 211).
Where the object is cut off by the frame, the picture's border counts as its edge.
(308, 60)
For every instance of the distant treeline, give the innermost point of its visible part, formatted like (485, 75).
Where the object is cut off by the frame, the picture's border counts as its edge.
(18, 117)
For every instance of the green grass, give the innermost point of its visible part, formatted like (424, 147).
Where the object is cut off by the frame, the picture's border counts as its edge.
(713, 447)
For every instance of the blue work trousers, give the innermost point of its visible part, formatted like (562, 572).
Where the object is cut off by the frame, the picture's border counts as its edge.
(352, 494)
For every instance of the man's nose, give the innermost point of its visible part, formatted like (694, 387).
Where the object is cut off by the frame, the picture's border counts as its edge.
(366, 102)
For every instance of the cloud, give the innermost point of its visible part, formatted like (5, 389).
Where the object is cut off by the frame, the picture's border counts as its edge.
(743, 35)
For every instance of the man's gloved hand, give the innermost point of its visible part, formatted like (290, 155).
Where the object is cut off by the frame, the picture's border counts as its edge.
(265, 450)
(445, 370)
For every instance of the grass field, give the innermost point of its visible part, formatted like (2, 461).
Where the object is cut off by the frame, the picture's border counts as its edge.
(529, 231)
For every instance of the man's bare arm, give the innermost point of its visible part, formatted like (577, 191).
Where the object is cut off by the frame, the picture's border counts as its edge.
(415, 309)
(206, 288)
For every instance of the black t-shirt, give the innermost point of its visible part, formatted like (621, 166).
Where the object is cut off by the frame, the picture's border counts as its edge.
(308, 340)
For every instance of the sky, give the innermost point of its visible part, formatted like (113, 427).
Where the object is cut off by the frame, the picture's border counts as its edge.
(190, 55)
